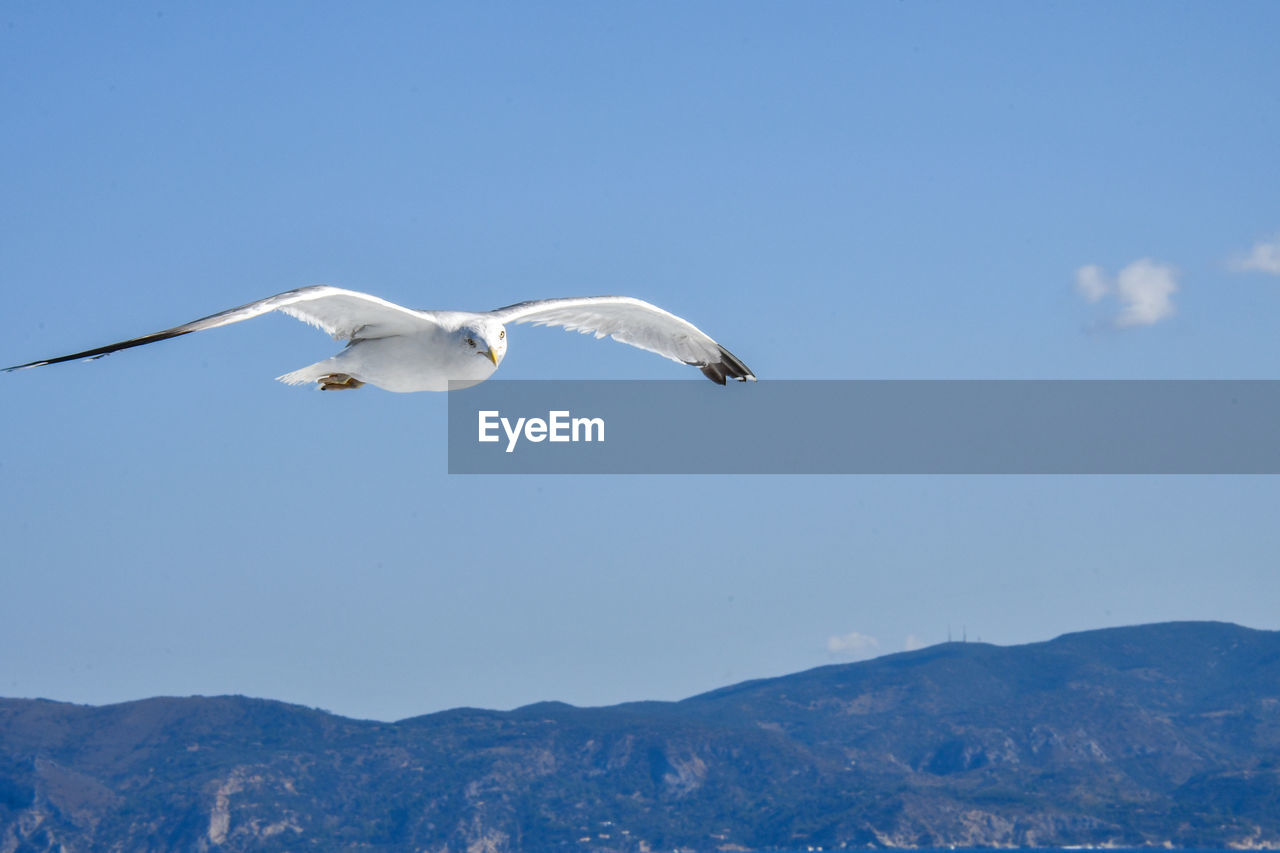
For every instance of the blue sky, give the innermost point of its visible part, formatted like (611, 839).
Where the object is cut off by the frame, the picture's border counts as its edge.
(871, 190)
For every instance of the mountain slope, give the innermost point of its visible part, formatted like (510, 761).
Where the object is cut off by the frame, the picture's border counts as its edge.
(1143, 735)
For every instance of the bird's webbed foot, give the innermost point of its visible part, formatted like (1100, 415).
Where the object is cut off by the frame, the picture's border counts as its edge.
(338, 382)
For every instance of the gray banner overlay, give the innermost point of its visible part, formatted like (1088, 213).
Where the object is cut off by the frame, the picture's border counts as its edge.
(866, 427)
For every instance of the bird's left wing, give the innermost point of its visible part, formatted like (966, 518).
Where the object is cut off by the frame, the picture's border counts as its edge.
(346, 314)
(635, 322)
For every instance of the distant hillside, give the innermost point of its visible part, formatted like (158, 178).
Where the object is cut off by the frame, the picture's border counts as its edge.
(1148, 735)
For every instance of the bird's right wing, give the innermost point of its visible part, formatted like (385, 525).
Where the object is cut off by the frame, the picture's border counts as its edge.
(635, 322)
(347, 315)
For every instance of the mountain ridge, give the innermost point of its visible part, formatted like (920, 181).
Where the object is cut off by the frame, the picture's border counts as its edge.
(1142, 735)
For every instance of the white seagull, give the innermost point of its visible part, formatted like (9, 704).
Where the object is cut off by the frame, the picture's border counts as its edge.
(401, 349)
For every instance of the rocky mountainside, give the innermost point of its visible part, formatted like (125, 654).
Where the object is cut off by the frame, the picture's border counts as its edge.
(1155, 734)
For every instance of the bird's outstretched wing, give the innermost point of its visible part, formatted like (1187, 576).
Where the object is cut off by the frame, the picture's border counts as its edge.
(636, 322)
(346, 314)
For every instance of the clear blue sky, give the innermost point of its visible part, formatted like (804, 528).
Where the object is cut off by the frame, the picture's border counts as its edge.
(928, 190)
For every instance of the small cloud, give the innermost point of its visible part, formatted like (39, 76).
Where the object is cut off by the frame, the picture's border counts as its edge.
(1144, 290)
(853, 646)
(913, 642)
(1091, 283)
(1263, 257)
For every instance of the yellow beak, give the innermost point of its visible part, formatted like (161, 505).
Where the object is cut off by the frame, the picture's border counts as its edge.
(493, 356)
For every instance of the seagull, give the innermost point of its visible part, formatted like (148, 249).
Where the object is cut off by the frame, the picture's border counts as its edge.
(402, 349)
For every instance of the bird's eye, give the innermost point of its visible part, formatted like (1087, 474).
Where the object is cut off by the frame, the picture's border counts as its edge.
(502, 334)
(471, 342)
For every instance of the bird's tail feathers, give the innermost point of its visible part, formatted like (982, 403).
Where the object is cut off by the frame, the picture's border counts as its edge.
(310, 373)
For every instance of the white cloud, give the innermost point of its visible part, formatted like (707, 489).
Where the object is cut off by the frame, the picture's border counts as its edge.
(913, 642)
(1263, 257)
(1091, 282)
(1144, 290)
(854, 646)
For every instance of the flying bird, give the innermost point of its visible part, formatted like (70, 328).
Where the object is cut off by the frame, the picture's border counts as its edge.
(402, 349)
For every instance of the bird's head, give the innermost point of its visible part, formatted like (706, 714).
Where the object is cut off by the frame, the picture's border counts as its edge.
(487, 339)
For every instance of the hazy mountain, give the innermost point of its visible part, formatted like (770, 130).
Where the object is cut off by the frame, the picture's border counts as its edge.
(1145, 735)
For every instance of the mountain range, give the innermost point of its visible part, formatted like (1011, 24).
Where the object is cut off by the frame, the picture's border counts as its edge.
(1165, 734)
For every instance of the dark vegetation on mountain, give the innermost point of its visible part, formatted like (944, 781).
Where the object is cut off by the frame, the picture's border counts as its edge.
(1155, 734)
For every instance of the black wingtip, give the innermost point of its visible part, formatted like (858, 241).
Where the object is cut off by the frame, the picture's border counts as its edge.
(714, 372)
(23, 366)
(728, 367)
(99, 352)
